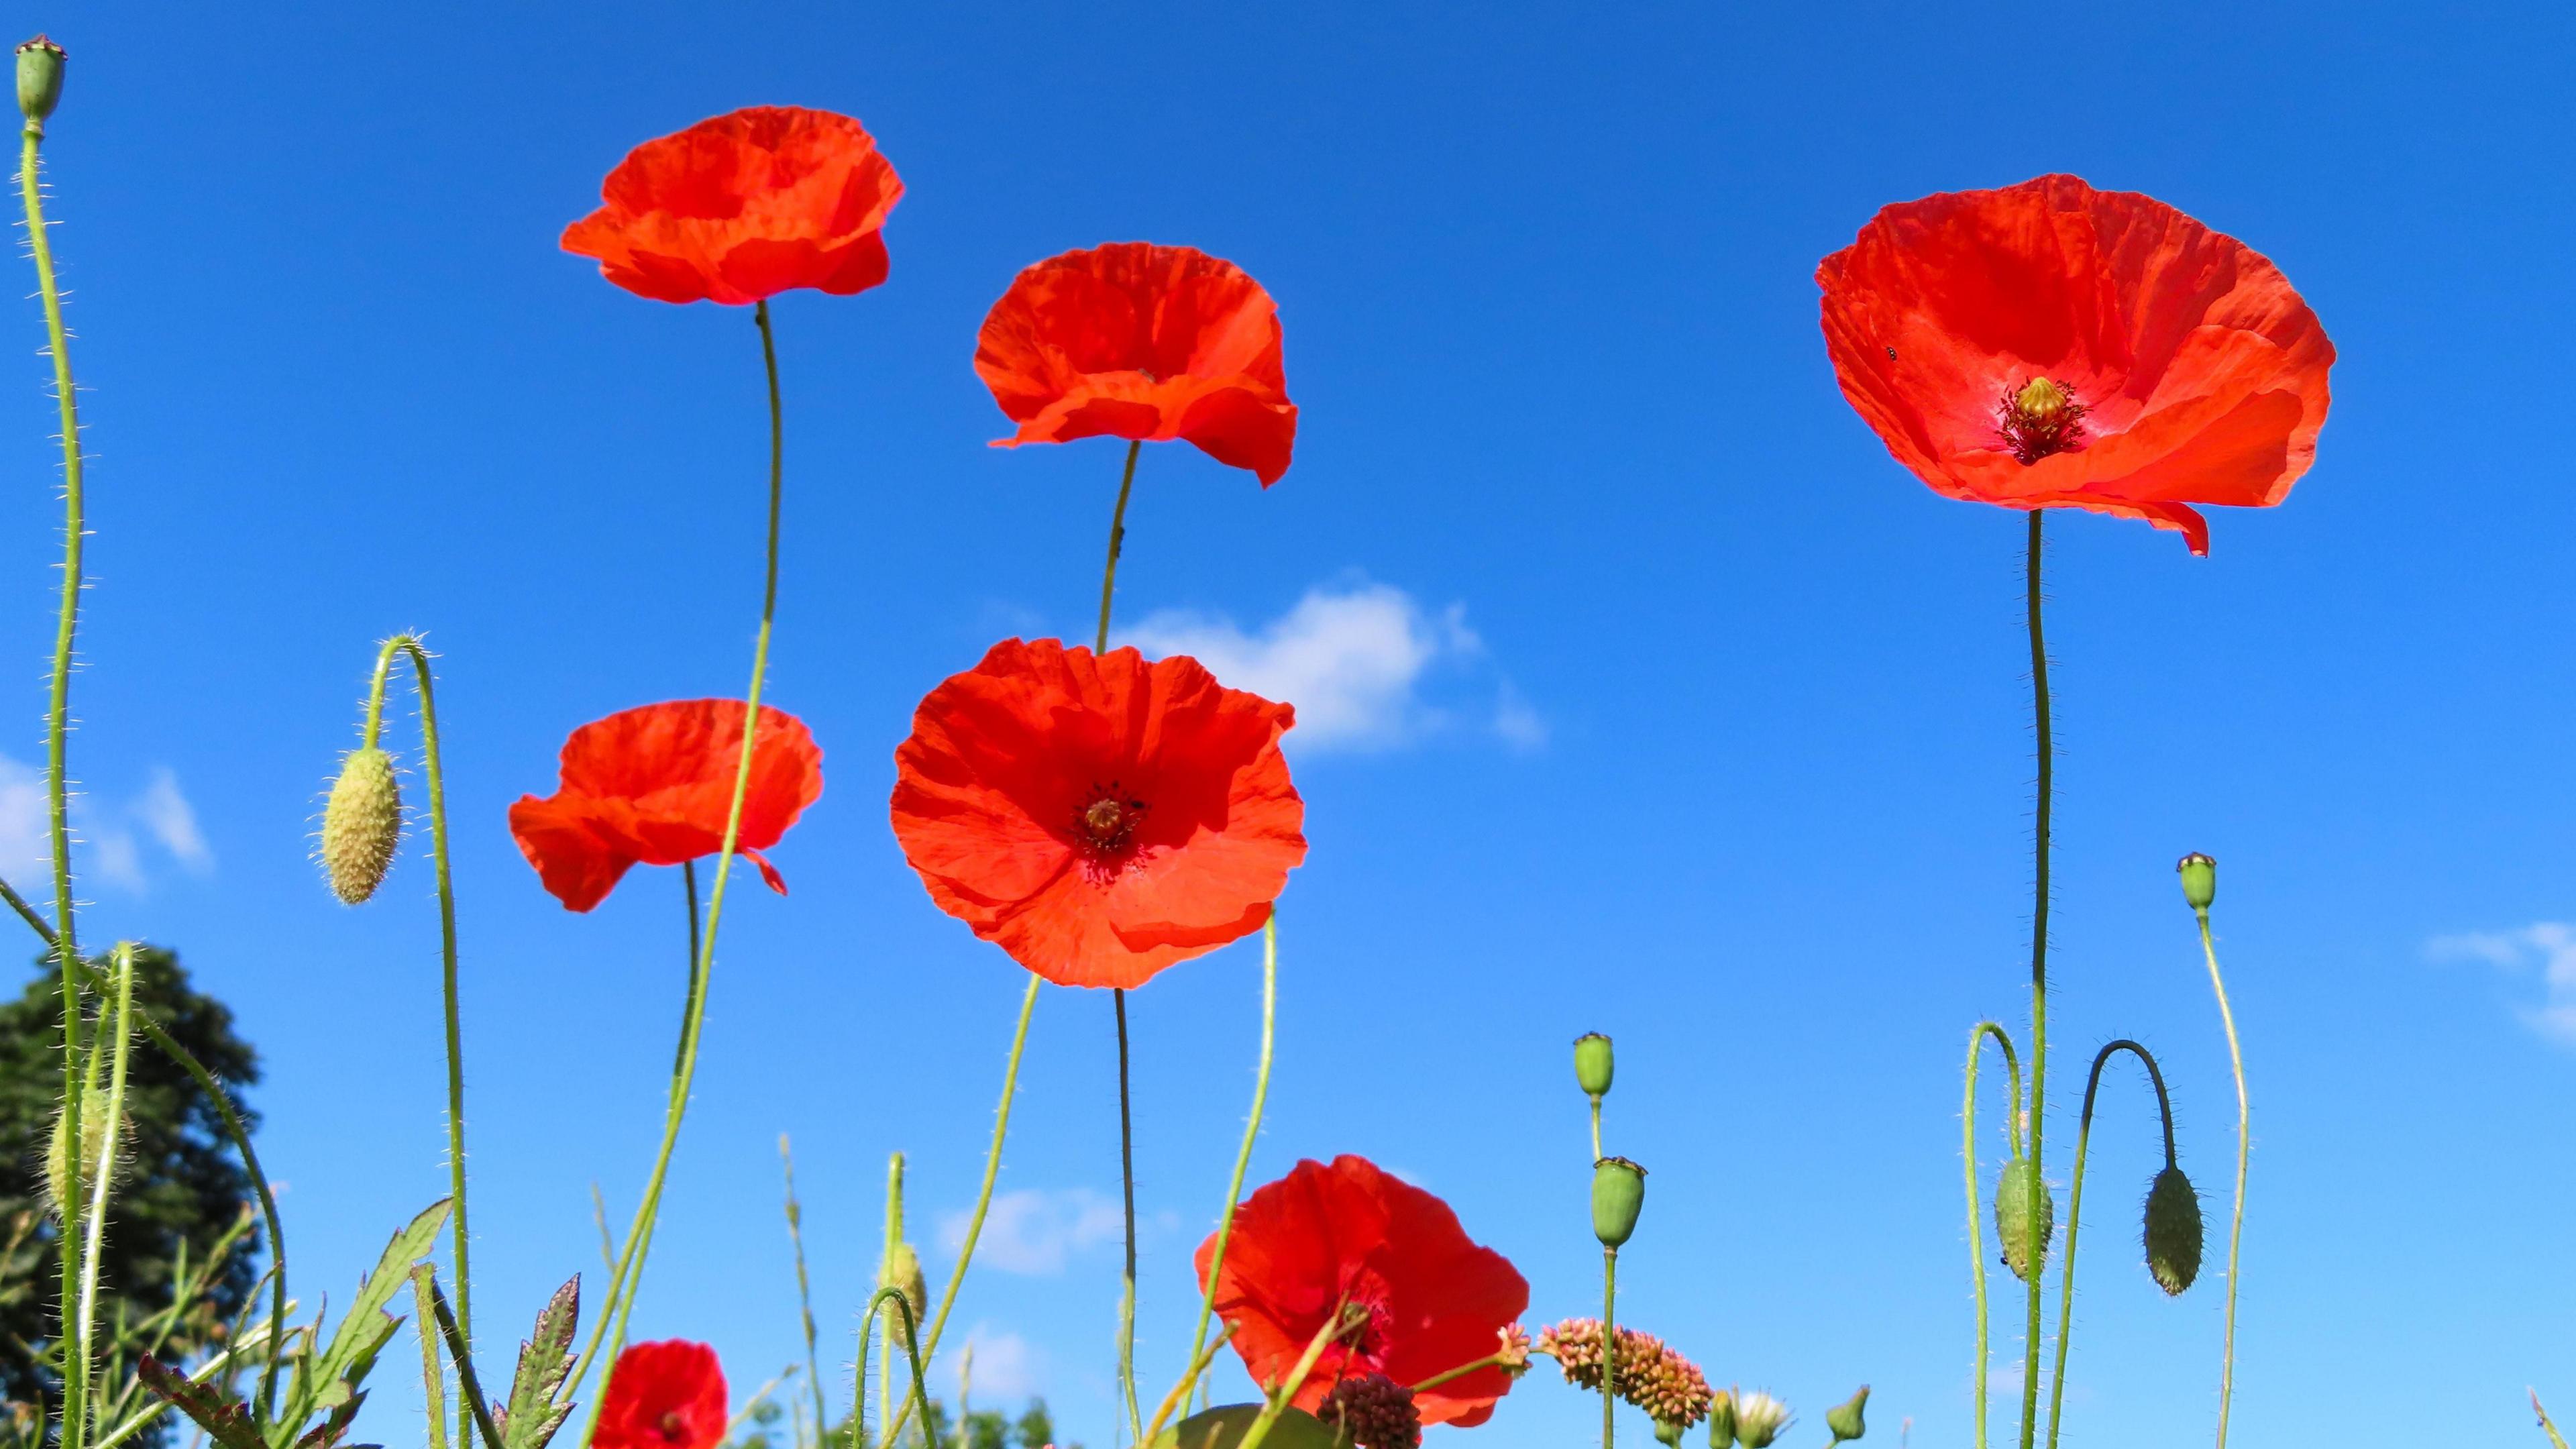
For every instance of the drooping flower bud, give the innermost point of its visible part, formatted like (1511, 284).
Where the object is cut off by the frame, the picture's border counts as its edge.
(2173, 1231)
(361, 824)
(1618, 1194)
(2012, 1217)
(1592, 1064)
(1844, 1419)
(2199, 880)
(901, 1271)
(1373, 1412)
(66, 1181)
(1721, 1421)
(1759, 1419)
(40, 78)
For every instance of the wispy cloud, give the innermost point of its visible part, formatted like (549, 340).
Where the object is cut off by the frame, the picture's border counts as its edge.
(1036, 1232)
(2545, 947)
(110, 833)
(1007, 1367)
(1357, 660)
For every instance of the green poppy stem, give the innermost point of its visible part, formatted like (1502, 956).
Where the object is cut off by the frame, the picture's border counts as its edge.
(2038, 1185)
(2075, 1206)
(1976, 1192)
(1609, 1341)
(2244, 1153)
(1118, 998)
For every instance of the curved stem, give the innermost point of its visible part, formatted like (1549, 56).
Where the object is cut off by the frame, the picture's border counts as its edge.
(625, 1286)
(1976, 1191)
(2038, 980)
(983, 1200)
(2075, 1207)
(2244, 1153)
(912, 1347)
(1242, 1165)
(1609, 1341)
(410, 645)
(58, 721)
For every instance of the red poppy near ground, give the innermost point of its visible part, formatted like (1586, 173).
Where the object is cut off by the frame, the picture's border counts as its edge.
(1350, 1233)
(652, 786)
(668, 1395)
(1144, 342)
(1098, 817)
(2053, 346)
(745, 206)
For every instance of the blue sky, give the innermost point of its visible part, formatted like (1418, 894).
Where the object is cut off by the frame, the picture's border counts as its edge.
(1663, 702)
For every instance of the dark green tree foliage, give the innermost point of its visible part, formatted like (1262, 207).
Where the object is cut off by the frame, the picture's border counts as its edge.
(180, 1182)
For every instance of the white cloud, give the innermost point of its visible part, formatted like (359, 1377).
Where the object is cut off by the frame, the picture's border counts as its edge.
(1036, 1232)
(108, 835)
(1007, 1368)
(2548, 946)
(1354, 660)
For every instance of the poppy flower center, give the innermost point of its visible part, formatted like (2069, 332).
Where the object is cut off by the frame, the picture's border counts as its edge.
(2040, 420)
(1107, 826)
(669, 1425)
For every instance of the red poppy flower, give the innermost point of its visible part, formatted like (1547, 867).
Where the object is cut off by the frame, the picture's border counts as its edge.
(668, 1395)
(1138, 341)
(2053, 346)
(652, 786)
(1098, 817)
(743, 207)
(1350, 1233)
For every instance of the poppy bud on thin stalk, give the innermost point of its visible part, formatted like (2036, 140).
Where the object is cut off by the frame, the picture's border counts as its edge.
(1844, 1420)
(1618, 1194)
(65, 1183)
(2173, 1231)
(1721, 1421)
(40, 80)
(2023, 1248)
(1592, 1064)
(361, 825)
(2199, 880)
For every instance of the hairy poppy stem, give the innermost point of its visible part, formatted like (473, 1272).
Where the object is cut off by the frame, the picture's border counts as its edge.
(912, 1345)
(1234, 1189)
(804, 1293)
(57, 730)
(2244, 1152)
(1118, 997)
(983, 1201)
(2075, 1206)
(410, 645)
(102, 1183)
(627, 1283)
(1609, 1342)
(1976, 1191)
(2038, 1183)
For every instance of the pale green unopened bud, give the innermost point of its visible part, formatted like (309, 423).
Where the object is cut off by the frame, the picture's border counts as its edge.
(2024, 1249)
(1592, 1064)
(1618, 1193)
(62, 1182)
(1721, 1422)
(1669, 1432)
(901, 1271)
(40, 78)
(362, 825)
(2199, 880)
(2173, 1231)
(1759, 1418)
(1844, 1421)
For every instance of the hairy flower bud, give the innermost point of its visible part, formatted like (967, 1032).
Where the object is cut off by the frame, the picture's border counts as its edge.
(1618, 1193)
(40, 78)
(901, 1271)
(2173, 1231)
(361, 824)
(2024, 1250)
(63, 1181)
(1844, 1421)
(1592, 1064)
(2199, 880)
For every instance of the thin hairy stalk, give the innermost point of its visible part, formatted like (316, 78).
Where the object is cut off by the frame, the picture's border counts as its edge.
(2075, 1207)
(1609, 1341)
(804, 1293)
(1179, 1397)
(983, 1201)
(1118, 997)
(433, 1379)
(627, 1283)
(409, 645)
(466, 1385)
(2038, 1187)
(2244, 1154)
(893, 1241)
(912, 1349)
(1491, 1360)
(1242, 1165)
(1281, 1398)
(26, 912)
(75, 1428)
(58, 714)
(2555, 1441)
(1976, 1191)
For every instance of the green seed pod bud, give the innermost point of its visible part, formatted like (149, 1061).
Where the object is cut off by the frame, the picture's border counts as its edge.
(1721, 1421)
(1592, 1064)
(2173, 1232)
(1618, 1193)
(2199, 880)
(61, 1182)
(2012, 1217)
(40, 79)
(361, 825)
(902, 1271)
(1844, 1419)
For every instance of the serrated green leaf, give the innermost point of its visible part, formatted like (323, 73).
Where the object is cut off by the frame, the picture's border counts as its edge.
(225, 1419)
(545, 1361)
(364, 1330)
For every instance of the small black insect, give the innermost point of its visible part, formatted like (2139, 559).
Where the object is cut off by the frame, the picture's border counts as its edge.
(1891, 354)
